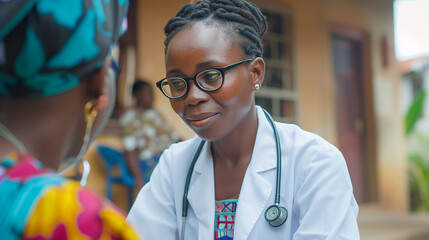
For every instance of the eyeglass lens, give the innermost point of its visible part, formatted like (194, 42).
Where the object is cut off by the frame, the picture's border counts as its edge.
(209, 80)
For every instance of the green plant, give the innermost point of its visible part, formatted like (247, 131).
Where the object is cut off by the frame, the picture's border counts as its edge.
(414, 112)
(418, 155)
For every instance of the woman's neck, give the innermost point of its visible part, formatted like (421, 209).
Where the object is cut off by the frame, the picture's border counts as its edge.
(238, 145)
(39, 140)
(40, 128)
(232, 155)
(142, 107)
(6, 147)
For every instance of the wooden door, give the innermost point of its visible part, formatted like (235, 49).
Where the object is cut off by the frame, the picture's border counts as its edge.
(349, 79)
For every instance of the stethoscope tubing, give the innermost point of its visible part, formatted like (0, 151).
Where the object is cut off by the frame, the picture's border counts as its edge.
(279, 157)
(188, 179)
(185, 202)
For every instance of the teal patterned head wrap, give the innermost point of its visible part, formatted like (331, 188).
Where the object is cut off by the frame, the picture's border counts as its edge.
(48, 46)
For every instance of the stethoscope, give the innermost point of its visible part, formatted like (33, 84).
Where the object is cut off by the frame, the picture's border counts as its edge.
(275, 214)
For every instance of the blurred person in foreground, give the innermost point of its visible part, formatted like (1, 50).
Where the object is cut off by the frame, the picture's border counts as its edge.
(56, 94)
(145, 133)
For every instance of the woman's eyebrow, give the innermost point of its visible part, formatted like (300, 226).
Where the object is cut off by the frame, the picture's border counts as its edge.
(204, 64)
(174, 71)
(199, 66)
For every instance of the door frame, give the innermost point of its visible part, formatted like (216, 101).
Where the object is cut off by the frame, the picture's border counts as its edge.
(370, 164)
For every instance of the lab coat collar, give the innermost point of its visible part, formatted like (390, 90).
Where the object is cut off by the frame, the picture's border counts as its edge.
(264, 155)
(256, 189)
(201, 193)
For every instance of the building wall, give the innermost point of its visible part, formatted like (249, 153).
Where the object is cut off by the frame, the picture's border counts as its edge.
(376, 17)
(316, 83)
(152, 17)
(391, 158)
(313, 71)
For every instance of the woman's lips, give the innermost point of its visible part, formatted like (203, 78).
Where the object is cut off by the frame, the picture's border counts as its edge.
(202, 120)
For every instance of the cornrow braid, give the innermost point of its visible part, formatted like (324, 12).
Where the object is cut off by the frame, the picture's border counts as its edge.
(239, 16)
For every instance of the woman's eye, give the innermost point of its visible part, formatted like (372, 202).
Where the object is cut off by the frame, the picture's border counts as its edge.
(177, 84)
(211, 77)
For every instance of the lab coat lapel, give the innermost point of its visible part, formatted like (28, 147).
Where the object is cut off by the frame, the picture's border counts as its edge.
(201, 193)
(259, 180)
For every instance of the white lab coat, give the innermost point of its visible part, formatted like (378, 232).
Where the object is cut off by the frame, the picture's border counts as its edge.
(315, 189)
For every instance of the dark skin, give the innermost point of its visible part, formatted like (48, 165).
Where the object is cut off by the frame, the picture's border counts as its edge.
(52, 128)
(226, 117)
(144, 98)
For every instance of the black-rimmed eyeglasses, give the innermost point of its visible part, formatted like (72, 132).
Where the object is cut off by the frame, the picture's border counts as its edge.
(208, 80)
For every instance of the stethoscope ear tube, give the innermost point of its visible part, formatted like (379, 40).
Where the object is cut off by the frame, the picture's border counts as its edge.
(279, 157)
(275, 214)
(185, 202)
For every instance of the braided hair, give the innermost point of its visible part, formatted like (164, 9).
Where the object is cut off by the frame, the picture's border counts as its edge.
(238, 16)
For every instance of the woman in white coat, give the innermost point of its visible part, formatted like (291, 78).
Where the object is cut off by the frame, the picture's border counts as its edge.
(214, 67)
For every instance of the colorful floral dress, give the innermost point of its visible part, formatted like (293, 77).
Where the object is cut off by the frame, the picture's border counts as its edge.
(37, 204)
(148, 134)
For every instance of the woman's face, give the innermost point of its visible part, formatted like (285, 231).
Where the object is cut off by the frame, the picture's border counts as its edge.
(145, 97)
(212, 115)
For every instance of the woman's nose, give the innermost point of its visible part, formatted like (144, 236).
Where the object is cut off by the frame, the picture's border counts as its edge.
(195, 94)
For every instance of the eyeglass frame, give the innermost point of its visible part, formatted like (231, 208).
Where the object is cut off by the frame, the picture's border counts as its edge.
(222, 70)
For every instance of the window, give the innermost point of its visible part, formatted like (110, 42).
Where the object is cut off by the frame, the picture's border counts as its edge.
(278, 94)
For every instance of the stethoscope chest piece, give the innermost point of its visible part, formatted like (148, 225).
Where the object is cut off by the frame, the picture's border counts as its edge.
(276, 215)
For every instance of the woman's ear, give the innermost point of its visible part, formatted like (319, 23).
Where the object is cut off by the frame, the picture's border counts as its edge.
(100, 86)
(257, 68)
(102, 90)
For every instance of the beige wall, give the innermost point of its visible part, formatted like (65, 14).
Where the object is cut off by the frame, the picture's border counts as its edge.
(316, 87)
(312, 59)
(152, 17)
(376, 17)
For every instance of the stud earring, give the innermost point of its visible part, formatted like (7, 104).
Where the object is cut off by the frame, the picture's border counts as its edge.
(257, 86)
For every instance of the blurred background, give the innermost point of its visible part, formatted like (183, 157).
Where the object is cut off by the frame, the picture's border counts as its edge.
(356, 72)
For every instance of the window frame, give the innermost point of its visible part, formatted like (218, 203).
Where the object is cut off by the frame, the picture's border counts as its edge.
(288, 66)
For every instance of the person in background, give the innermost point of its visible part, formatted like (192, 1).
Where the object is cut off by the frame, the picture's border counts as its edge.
(145, 133)
(56, 94)
(244, 176)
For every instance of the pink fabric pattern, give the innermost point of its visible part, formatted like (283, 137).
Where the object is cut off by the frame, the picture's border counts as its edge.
(60, 208)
